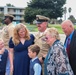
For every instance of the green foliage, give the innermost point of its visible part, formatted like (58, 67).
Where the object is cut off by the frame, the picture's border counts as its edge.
(1, 17)
(72, 18)
(10, 5)
(30, 14)
(49, 8)
(58, 27)
(64, 12)
(32, 28)
(69, 9)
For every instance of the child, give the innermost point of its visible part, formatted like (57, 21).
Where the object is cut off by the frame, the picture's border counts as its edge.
(3, 58)
(35, 66)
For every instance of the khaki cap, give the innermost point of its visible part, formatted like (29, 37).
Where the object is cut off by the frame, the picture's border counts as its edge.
(8, 15)
(40, 19)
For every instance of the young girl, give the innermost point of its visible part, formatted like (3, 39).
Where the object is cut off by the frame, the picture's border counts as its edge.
(3, 58)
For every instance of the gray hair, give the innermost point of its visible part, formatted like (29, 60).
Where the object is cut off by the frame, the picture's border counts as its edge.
(53, 32)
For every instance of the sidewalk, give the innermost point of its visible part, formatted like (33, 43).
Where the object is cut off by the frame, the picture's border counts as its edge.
(62, 37)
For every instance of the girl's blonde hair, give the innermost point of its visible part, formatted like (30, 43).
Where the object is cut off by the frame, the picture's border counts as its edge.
(53, 32)
(16, 37)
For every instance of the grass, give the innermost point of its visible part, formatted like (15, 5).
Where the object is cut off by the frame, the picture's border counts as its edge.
(57, 26)
(33, 28)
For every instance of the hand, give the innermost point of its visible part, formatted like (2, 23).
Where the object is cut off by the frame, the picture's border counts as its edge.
(11, 70)
(41, 59)
(44, 55)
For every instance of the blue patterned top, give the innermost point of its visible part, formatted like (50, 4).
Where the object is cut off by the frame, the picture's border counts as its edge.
(56, 61)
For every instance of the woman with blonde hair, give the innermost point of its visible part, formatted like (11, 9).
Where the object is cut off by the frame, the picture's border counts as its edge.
(56, 62)
(18, 44)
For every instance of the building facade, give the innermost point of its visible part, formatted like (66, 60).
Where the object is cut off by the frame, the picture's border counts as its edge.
(17, 12)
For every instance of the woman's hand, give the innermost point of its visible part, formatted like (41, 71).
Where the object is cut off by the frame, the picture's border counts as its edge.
(11, 70)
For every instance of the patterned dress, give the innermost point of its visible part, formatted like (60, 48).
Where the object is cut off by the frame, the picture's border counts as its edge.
(56, 61)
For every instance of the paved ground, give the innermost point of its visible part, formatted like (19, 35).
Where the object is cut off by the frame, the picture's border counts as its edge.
(62, 36)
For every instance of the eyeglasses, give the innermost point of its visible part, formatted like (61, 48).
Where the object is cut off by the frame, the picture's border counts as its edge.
(45, 38)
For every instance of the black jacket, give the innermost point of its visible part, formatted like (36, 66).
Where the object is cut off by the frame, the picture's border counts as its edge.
(72, 52)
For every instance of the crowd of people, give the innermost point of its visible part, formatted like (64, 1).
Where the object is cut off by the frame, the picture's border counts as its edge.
(22, 53)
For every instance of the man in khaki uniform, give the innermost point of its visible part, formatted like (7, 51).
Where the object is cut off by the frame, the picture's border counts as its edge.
(42, 23)
(6, 34)
(7, 31)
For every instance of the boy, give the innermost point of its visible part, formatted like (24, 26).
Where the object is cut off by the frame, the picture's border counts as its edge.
(3, 58)
(35, 66)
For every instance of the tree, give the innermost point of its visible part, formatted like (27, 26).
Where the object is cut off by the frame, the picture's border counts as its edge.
(65, 11)
(49, 8)
(10, 5)
(1, 17)
(72, 18)
(69, 10)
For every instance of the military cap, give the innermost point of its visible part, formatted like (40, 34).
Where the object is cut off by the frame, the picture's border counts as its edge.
(40, 19)
(8, 15)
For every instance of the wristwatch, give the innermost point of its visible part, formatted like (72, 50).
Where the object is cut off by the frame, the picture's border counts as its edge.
(43, 58)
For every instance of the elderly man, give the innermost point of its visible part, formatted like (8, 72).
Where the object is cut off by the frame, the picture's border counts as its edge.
(6, 33)
(70, 42)
(42, 23)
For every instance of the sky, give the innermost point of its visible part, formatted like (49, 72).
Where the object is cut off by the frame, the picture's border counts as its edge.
(72, 4)
(23, 3)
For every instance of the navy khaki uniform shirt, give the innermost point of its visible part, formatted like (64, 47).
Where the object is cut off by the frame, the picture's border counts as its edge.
(6, 33)
(44, 47)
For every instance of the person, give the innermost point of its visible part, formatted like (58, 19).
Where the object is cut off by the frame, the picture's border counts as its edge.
(7, 31)
(6, 34)
(42, 24)
(18, 44)
(35, 65)
(70, 32)
(56, 61)
(3, 57)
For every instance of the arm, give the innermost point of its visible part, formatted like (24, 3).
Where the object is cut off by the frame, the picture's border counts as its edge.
(37, 69)
(42, 58)
(33, 38)
(11, 51)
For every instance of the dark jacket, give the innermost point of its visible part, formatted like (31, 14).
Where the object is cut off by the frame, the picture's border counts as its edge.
(72, 52)
(3, 61)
